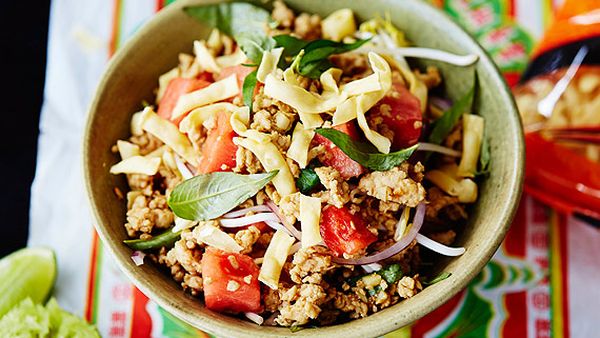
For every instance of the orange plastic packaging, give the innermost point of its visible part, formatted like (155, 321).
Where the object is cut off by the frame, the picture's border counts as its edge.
(559, 101)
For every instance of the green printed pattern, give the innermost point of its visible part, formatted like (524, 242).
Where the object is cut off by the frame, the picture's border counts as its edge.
(488, 21)
(482, 311)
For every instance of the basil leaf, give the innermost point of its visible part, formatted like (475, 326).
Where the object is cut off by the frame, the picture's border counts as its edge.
(291, 45)
(316, 53)
(248, 88)
(443, 126)
(437, 279)
(166, 239)
(314, 70)
(321, 49)
(391, 273)
(254, 44)
(209, 196)
(307, 180)
(232, 18)
(484, 157)
(243, 21)
(364, 153)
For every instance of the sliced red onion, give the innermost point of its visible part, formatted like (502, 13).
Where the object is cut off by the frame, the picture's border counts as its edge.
(423, 146)
(247, 220)
(276, 225)
(370, 268)
(186, 173)
(443, 104)
(191, 169)
(243, 212)
(394, 248)
(291, 229)
(254, 317)
(439, 247)
(138, 257)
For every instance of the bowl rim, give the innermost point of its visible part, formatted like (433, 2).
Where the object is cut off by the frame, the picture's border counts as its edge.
(380, 323)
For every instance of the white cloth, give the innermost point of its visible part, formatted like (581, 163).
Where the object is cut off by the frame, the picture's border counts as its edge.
(60, 217)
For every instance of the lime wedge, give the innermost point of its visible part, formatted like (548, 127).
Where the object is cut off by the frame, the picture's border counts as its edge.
(27, 273)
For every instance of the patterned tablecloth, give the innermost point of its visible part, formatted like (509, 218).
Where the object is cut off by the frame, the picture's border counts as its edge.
(541, 282)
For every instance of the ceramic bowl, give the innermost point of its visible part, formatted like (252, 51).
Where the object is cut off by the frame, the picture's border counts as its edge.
(132, 76)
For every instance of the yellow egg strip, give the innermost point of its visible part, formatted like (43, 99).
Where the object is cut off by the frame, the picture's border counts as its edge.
(271, 159)
(299, 98)
(199, 115)
(275, 256)
(310, 215)
(268, 64)
(215, 92)
(298, 150)
(137, 165)
(236, 58)
(472, 137)
(347, 111)
(204, 58)
(240, 120)
(168, 133)
(163, 82)
(357, 106)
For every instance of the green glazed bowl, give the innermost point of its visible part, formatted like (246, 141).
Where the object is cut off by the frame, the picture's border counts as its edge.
(132, 77)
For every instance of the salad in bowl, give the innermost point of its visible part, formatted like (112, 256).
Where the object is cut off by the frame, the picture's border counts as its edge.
(296, 170)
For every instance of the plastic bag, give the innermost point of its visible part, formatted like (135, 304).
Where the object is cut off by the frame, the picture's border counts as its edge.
(559, 101)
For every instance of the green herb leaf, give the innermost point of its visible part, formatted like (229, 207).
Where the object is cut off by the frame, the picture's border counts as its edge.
(443, 126)
(365, 154)
(307, 180)
(291, 45)
(315, 59)
(314, 70)
(248, 88)
(320, 49)
(316, 53)
(295, 328)
(166, 239)
(484, 157)
(209, 196)
(254, 44)
(231, 18)
(374, 291)
(391, 273)
(439, 278)
(245, 22)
